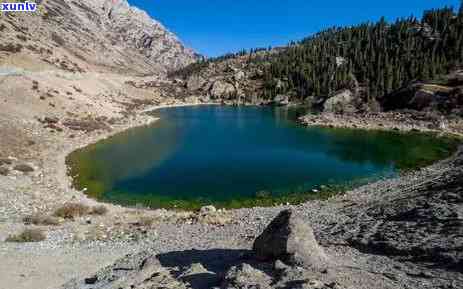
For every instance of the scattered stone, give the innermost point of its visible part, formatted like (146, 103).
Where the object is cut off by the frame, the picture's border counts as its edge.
(91, 280)
(199, 277)
(50, 120)
(207, 209)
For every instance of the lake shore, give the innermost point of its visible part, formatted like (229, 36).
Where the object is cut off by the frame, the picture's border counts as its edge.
(130, 230)
(388, 121)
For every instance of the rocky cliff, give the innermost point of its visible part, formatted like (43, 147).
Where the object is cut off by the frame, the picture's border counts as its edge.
(91, 35)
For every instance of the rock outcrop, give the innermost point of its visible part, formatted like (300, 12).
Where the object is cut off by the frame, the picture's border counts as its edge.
(233, 81)
(289, 239)
(341, 102)
(222, 90)
(88, 35)
(446, 98)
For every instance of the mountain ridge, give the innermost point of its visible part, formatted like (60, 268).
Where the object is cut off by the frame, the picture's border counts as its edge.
(100, 35)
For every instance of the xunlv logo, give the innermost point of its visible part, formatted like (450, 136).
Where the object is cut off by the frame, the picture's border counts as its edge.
(18, 7)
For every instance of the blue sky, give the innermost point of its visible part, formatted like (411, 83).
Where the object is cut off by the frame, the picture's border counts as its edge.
(215, 27)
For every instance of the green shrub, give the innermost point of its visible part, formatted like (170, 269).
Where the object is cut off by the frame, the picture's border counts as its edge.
(27, 236)
(99, 210)
(72, 210)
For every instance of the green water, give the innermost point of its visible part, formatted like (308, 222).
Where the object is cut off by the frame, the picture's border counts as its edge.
(241, 156)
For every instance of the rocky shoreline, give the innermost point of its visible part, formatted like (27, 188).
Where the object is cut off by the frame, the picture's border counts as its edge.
(406, 121)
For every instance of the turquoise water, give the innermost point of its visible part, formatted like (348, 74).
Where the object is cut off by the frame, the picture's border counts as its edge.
(227, 155)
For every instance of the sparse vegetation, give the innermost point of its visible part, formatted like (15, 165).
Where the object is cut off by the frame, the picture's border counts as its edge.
(23, 168)
(99, 210)
(72, 210)
(147, 221)
(10, 47)
(27, 236)
(87, 125)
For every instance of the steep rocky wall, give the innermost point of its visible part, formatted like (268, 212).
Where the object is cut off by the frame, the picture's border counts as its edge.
(108, 35)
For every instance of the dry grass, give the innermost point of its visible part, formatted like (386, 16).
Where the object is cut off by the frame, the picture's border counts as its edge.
(41, 220)
(147, 221)
(27, 236)
(72, 210)
(87, 125)
(99, 210)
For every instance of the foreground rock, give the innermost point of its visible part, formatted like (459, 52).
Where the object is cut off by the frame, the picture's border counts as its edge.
(289, 239)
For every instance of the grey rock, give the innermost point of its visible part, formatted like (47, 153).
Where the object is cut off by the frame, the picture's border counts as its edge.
(222, 89)
(289, 239)
(341, 102)
(244, 276)
(195, 82)
(199, 277)
(91, 280)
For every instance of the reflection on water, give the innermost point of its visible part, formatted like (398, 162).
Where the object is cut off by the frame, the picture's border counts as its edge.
(214, 154)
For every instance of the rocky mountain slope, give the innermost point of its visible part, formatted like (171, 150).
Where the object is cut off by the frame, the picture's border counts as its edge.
(90, 35)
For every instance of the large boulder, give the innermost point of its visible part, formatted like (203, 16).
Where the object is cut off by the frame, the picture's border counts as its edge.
(341, 102)
(289, 239)
(222, 89)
